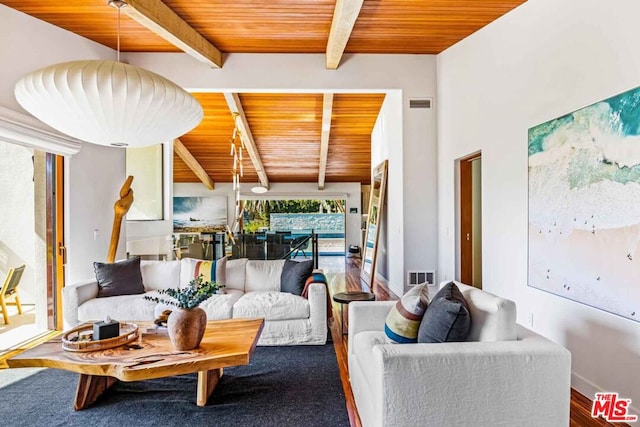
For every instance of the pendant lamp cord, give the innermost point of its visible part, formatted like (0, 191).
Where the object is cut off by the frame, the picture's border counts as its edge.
(118, 4)
(118, 36)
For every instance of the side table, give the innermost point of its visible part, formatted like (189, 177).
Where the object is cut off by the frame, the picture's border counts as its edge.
(346, 297)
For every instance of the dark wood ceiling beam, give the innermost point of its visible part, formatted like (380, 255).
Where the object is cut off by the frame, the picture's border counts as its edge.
(344, 18)
(233, 101)
(193, 164)
(327, 108)
(162, 20)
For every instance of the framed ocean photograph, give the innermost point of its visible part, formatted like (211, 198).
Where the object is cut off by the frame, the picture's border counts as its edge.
(584, 205)
(199, 214)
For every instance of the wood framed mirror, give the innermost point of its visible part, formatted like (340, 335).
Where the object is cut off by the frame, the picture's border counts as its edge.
(376, 207)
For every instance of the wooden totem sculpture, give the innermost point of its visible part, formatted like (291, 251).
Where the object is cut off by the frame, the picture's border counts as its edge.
(121, 207)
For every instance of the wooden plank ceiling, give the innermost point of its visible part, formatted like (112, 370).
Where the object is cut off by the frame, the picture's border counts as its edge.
(283, 26)
(286, 127)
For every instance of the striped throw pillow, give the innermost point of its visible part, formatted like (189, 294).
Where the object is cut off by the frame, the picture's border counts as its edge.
(211, 271)
(403, 321)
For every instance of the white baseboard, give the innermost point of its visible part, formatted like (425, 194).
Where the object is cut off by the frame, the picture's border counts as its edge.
(590, 389)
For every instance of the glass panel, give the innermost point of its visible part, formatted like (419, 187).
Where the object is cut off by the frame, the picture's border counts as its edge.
(145, 165)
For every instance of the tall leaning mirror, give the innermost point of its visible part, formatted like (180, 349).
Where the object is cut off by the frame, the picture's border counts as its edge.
(376, 207)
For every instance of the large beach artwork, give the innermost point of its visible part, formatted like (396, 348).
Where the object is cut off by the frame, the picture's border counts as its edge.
(199, 214)
(584, 205)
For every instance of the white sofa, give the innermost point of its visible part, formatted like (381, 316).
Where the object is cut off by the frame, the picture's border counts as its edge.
(504, 375)
(252, 290)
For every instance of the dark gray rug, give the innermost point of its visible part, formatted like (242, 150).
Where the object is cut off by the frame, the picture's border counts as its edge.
(282, 386)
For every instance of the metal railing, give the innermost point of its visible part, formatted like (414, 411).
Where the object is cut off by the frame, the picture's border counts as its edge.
(276, 245)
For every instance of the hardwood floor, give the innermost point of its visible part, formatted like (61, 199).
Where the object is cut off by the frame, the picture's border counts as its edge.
(348, 279)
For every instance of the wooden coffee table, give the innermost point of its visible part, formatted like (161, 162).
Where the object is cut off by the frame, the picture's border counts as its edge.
(225, 343)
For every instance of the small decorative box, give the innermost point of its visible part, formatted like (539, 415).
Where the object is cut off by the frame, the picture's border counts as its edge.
(106, 329)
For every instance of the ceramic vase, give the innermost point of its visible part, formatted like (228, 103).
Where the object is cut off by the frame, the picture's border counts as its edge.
(186, 328)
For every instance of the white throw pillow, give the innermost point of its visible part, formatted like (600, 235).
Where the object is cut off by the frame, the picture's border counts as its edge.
(157, 275)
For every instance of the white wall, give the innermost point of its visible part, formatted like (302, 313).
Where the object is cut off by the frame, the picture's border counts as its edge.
(306, 190)
(93, 179)
(384, 146)
(544, 59)
(412, 172)
(17, 217)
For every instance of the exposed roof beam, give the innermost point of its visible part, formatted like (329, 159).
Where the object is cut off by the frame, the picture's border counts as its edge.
(186, 156)
(327, 107)
(233, 101)
(162, 20)
(344, 18)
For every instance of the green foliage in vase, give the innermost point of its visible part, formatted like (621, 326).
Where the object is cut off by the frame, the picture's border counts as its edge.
(191, 296)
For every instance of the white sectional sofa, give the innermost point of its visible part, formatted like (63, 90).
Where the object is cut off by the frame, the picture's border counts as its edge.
(252, 290)
(504, 375)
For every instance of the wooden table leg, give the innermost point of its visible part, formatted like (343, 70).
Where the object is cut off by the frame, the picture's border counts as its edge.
(207, 381)
(90, 387)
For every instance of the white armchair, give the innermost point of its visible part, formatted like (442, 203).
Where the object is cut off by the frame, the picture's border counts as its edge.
(505, 375)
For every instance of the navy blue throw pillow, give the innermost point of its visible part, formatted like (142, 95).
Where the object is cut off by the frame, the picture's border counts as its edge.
(294, 276)
(447, 318)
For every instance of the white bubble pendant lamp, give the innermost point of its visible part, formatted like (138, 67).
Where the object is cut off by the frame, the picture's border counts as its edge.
(108, 102)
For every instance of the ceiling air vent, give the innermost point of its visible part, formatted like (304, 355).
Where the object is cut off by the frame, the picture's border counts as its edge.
(420, 103)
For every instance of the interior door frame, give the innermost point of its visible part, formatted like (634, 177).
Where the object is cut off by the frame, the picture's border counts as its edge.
(55, 239)
(465, 243)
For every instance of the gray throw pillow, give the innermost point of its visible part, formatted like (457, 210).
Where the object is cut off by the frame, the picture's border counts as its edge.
(294, 276)
(447, 317)
(119, 278)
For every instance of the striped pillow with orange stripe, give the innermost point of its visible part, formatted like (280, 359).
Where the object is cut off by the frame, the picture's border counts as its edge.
(211, 271)
(403, 321)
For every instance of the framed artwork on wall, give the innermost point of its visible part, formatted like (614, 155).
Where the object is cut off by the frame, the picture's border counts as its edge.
(199, 214)
(584, 205)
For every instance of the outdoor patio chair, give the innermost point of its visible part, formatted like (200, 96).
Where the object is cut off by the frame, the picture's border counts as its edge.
(10, 290)
(301, 245)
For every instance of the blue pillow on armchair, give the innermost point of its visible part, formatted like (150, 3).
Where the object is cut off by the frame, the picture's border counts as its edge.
(447, 318)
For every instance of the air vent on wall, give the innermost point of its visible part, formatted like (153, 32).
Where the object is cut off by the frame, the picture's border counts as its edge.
(420, 103)
(418, 277)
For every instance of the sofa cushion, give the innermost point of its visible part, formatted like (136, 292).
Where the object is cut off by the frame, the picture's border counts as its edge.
(220, 306)
(236, 273)
(294, 276)
(119, 278)
(121, 308)
(158, 275)
(212, 271)
(271, 305)
(447, 317)
(404, 318)
(263, 275)
(493, 318)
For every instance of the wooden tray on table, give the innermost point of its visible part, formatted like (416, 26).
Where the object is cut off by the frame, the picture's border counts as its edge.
(70, 340)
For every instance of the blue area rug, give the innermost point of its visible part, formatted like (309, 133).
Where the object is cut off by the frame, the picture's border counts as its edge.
(282, 386)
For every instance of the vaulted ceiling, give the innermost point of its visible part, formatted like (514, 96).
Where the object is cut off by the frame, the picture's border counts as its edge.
(296, 137)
